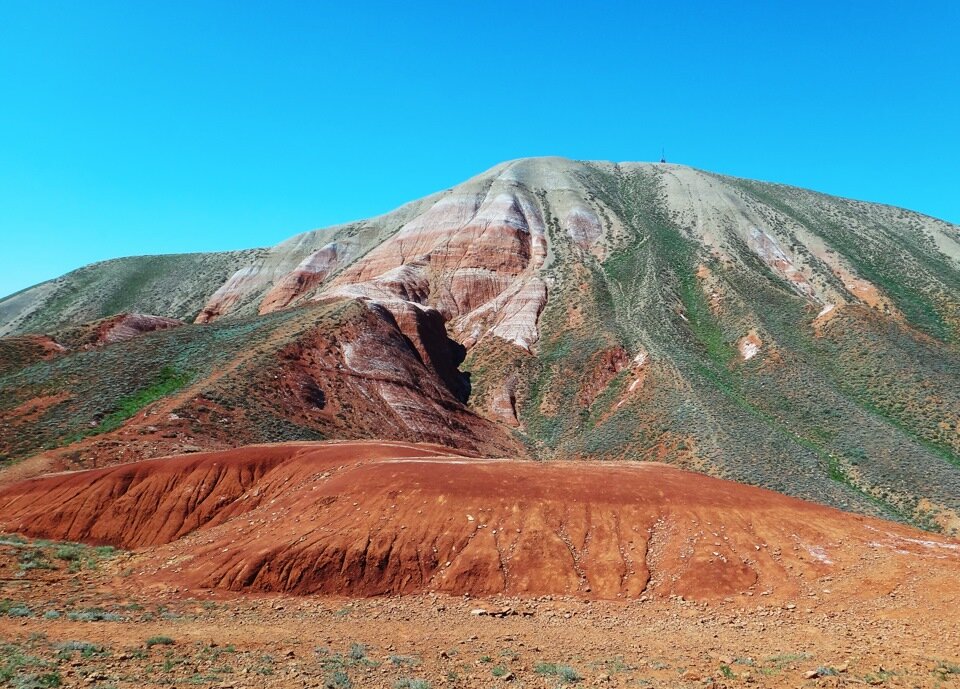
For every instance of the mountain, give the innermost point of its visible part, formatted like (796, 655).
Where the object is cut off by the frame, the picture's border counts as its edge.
(546, 308)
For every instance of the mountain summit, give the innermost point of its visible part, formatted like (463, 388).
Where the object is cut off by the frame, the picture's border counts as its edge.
(547, 307)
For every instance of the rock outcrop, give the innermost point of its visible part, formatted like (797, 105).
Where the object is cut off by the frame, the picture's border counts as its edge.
(229, 293)
(129, 325)
(310, 273)
(473, 257)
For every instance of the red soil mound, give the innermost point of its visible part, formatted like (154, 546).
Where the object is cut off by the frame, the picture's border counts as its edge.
(360, 518)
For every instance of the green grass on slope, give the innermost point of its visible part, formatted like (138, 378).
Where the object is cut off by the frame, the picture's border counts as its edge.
(904, 270)
(139, 273)
(173, 285)
(657, 260)
(673, 312)
(169, 381)
(821, 391)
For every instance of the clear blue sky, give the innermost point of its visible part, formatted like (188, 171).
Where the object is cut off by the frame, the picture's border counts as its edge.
(156, 127)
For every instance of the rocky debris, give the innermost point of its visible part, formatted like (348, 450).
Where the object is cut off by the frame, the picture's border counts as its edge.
(500, 612)
(767, 248)
(284, 641)
(749, 345)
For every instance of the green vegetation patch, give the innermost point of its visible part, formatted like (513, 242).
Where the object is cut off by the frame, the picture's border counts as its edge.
(565, 673)
(168, 381)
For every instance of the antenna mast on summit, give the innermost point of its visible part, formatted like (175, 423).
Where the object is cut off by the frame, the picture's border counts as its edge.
(663, 156)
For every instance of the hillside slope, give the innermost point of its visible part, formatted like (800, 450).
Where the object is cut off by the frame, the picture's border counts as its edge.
(341, 368)
(393, 518)
(762, 333)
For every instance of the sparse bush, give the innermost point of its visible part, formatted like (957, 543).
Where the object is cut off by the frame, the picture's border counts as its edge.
(69, 552)
(159, 641)
(401, 661)
(339, 680)
(411, 683)
(85, 648)
(565, 673)
(93, 615)
(38, 681)
(945, 668)
(33, 558)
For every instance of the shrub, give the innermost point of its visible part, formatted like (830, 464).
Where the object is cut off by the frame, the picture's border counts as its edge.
(410, 683)
(68, 552)
(408, 661)
(85, 648)
(159, 641)
(565, 673)
(93, 615)
(33, 559)
(339, 680)
(50, 679)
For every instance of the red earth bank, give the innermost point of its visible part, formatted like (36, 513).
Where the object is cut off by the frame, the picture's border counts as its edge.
(372, 518)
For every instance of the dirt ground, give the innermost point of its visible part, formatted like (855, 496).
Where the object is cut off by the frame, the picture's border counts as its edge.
(73, 617)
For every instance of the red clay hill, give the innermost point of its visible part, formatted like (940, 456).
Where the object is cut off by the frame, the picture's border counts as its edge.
(372, 518)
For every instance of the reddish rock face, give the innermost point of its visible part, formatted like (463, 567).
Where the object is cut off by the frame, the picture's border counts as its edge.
(129, 325)
(474, 254)
(583, 227)
(473, 257)
(312, 271)
(231, 292)
(21, 350)
(386, 518)
(512, 316)
(605, 366)
(425, 330)
(503, 403)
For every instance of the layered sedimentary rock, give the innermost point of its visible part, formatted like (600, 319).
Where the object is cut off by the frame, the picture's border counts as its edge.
(129, 325)
(311, 271)
(472, 257)
(229, 293)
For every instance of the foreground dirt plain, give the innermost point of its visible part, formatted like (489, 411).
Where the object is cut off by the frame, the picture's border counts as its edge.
(718, 584)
